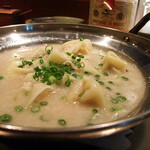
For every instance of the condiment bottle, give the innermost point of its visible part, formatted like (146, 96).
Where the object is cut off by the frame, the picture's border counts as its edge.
(121, 17)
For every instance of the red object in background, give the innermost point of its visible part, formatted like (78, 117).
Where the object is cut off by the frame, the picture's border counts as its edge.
(109, 4)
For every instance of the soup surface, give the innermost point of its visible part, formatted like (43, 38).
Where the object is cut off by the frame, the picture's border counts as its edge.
(66, 85)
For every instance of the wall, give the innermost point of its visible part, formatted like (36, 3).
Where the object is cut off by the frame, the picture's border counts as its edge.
(43, 8)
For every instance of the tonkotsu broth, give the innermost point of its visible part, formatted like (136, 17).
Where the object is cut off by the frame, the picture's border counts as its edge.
(131, 90)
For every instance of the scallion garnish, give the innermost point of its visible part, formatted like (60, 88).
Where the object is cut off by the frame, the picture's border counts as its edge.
(74, 75)
(97, 76)
(43, 103)
(6, 118)
(73, 56)
(68, 83)
(108, 88)
(96, 68)
(117, 99)
(81, 39)
(101, 64)
(41, 61)
(95, 111)
(117, 108)
(18, 108)
(106, 73)
(80, 76)
(80, 95)
(122, 77)
(1, 77)
(26, 93)
(48, 49)
(110, 82)
(24, 63)
(62, 122)
(117, 93)
(80, 56)
(35, 108)
(100, 82)
(62, 97)
(69, 54)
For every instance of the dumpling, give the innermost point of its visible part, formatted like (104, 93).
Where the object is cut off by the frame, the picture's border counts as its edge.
(112, 60)
(87, 67)
(13, 69)
(90, 91)
(38, 92)
(77, 46)
(57, 57)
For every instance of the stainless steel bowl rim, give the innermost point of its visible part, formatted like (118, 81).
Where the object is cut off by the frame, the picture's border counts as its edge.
(84, 129)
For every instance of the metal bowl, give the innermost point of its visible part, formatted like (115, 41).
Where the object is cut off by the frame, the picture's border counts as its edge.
(136, 47)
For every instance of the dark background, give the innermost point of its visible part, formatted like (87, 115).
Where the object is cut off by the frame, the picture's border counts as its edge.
(46, 8)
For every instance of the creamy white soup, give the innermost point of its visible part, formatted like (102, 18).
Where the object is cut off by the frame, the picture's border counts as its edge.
(67, 85)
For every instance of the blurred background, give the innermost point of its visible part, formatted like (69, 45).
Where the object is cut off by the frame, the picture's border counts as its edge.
(29, 11)
(43, 8)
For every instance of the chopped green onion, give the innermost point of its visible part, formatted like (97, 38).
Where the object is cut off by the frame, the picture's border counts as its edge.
(100, 82)
(89, 124)
(96, 68)
(95, 111)
(97, 76)
(52, 79)
(110, 82)
(18, 108)
(62, 122)
(78, 60)
(1, 77)
(116, 108)
(81, 39)
(30, 63)
(80, 76)
(43, 103)
(48, 50)
(73, 57)
(122, 77)
(80, 56)
(26, 93)
(87, 73)
(20, 66)
(106, 73)
(41, 61)
(25, 62)
(82, 64)
(117, 93)
(101, 64)
(35, 108)
(74, 75)
(123, 98)
(114, 100)
(67, 83)
(108, 88)
(62, 97)
(80, 95)
(6, 118)
(69, 54)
